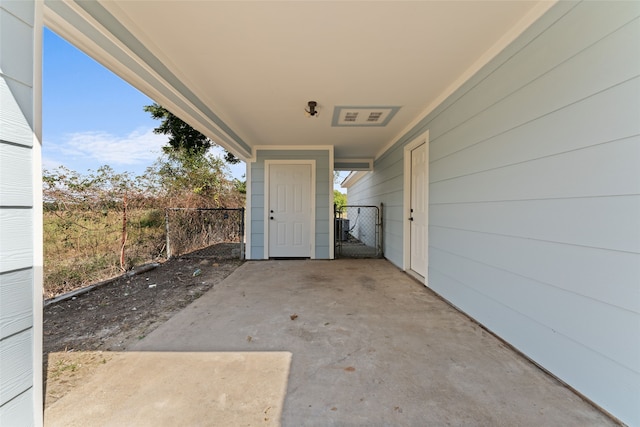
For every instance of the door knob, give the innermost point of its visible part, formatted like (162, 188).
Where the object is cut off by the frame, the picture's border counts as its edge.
(410, 218)
(271, 217)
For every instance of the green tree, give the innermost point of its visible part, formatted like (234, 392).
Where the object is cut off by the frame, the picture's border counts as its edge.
(339, 199)
(188, 180)
(182, 137)
(188, 174)
(241, 186)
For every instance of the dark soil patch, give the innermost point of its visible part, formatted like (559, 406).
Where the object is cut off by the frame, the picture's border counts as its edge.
(114, 316)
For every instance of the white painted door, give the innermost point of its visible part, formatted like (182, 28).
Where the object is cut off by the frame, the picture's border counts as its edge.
(418, 210)
(289, 210)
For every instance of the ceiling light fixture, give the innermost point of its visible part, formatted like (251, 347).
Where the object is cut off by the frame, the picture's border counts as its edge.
(312, 112)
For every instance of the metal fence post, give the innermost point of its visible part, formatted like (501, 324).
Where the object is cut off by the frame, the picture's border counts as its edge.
(381, 231)
(242, 236)
(166, 226)
(336, 231)
(205, 232)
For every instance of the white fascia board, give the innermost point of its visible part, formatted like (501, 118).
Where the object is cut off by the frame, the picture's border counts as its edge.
(352, 178)
(38, 222)
(532, 16)
(332, 211)
(368, 162)
(247, 213)
(289, 148)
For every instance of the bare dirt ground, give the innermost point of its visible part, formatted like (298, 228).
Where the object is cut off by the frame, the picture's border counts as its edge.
(80, 332)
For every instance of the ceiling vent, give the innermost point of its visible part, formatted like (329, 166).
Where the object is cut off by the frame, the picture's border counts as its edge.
(350, 117)
(363, 116)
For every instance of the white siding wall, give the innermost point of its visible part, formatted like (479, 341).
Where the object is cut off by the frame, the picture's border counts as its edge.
(385, 186)
(323, 184)
(363, 225)
(535, 198)
(20, 392)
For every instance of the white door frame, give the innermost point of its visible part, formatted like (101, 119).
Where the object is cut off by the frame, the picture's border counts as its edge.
(312, 202)
(406, 233)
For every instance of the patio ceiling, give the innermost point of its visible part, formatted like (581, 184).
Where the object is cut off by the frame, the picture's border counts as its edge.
(243, 72)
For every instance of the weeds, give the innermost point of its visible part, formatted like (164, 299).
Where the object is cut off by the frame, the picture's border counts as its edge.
(84, 247)
(62, 366)
(100, 224)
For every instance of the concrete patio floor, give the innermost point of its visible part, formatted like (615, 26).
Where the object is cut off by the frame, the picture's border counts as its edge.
(321, 343)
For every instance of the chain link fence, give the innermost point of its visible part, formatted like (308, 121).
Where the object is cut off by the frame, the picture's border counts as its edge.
(83, 246)
(358, 232)
(205, 232)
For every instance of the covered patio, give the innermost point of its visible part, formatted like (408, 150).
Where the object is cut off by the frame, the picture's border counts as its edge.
(317, 343)
(502, 139)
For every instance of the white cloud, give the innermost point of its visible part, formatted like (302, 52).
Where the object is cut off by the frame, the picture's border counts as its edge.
(82, 151)
(50, 164)
(139, 147)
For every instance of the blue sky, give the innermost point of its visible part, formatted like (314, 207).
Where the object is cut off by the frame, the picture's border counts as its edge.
(91, 117)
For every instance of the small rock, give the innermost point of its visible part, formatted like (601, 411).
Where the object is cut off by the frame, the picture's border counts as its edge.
(293, 316)
(153, 286)
(133, 309)
(197, 272)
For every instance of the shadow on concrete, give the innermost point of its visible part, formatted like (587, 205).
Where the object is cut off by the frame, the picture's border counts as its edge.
(362, 344)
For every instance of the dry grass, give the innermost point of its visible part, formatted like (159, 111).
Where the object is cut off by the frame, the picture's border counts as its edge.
(83, 247)
(66, 370)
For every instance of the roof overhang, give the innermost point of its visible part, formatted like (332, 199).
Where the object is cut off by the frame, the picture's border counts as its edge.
(243, 73)
(352, 178)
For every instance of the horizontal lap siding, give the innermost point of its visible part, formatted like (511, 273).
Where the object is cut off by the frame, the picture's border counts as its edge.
(385, 186)
(16, 251)
(322, 187)
(257, 210)
(15, 161)
(18, 412)
(563, 132)
(16, 213)
(556, 38)
(598, 222)
(16, 301)
(539, 187)
(16, 364)
(535, 198)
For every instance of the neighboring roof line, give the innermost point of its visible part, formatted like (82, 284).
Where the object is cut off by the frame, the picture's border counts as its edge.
(352, 178)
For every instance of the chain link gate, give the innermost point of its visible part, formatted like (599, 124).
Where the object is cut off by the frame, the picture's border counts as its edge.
(205, 232)
(358, 231)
